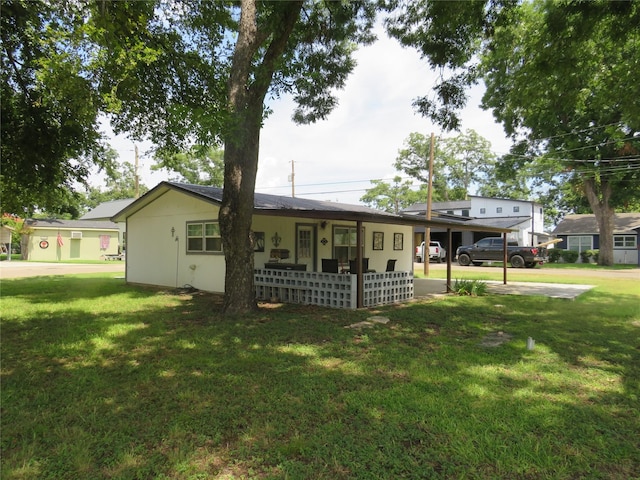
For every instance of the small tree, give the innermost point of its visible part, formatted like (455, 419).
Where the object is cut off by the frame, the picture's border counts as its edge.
(393, 197)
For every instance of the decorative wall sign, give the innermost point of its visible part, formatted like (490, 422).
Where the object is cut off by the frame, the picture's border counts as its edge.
(378, 240)
(276, 240)
(44, 244)
(258, 241)
(398, 240)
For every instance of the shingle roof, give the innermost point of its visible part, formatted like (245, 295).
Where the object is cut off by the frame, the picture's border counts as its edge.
(265, 204)
(106, 210)
(586, 224)
(71, 224)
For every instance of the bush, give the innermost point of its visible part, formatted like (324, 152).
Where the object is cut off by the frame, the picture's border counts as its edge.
(555, 255)
(569, 256)
(474, 288)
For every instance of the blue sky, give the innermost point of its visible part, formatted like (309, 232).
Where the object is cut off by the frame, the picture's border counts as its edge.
(335, 159)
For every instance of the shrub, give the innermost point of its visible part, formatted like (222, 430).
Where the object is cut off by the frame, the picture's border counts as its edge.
(570, 256)
(474, 288)
(555, 255)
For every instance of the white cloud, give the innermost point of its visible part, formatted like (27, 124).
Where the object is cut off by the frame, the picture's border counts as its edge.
(359, 141)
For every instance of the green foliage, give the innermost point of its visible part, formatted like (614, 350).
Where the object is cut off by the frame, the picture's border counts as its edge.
(198, 166)
(555, 255)
(559, 76)
(474, 288)
(50, 128)
(569, 256)
(587, 256)
(393, 197)
(459, 162)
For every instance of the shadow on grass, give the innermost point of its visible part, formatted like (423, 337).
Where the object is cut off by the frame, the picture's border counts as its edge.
(169, 388)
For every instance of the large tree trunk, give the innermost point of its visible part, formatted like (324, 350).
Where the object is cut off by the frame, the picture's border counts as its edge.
(599, 193)
(236, 212)
(247, 88)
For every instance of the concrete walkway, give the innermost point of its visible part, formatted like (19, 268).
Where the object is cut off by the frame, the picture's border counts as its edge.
(426, 287)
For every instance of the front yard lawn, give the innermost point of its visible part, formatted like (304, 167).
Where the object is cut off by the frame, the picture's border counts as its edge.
(105, 380)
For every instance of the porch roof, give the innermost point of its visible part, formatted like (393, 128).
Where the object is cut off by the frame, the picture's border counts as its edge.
(276, 205)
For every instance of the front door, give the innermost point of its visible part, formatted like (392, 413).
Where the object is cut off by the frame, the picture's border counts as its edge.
(306, 245)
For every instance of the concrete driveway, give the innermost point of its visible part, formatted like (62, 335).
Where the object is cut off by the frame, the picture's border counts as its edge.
(426, 287)
(18, 269)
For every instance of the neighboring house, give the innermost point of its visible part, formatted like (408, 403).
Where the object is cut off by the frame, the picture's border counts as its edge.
(62, 240)
(581, 232)
(304, 248)
(5, 240)
(105, 211)
(523, 218)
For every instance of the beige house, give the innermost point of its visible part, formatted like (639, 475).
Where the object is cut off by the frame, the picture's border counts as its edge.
(306, 250)
(105, 211)
(64, 240)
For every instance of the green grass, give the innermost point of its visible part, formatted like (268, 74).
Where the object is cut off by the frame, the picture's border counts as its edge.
(105, 380)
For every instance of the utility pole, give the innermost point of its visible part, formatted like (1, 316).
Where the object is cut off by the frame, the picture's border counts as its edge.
(427, 230)
(292, 179)
(135, 174)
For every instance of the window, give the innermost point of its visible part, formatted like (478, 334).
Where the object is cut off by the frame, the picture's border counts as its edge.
(625, 241)
(516, 208)
(483, 211)
(345, 243)
(579, 243)
(499, 210)
(203, 237)
(465, 213)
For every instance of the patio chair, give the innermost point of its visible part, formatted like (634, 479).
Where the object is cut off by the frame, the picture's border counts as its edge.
(391, 266)
(330, 265)
(353, 267)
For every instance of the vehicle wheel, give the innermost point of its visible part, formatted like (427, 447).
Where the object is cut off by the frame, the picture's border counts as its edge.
(419, 259)
(439, 259)
(517, 261)
(530, 265)
(464, 259)
(477, 264)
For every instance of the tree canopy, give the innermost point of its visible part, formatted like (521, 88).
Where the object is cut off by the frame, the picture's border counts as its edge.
(393, 197)
(560, 77)
(50, 131)
(461, 163)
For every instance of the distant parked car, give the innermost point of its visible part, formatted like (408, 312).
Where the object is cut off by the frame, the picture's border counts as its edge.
(436, 252)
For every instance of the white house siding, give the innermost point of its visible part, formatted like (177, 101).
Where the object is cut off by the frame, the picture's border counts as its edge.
(157, 256)
(530, 209)
(626, 257)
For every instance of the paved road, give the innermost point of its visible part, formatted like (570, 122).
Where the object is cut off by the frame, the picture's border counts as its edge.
(633, 273)
(17, 269)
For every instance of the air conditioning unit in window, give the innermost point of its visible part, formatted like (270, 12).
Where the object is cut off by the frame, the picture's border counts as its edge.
(76, 235)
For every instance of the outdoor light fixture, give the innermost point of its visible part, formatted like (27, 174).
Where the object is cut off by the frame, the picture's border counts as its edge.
(173, 232)
(323, 224)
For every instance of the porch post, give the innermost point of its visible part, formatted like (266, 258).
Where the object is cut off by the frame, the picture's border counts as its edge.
(504, 257)
(359, 255)
(449, 241)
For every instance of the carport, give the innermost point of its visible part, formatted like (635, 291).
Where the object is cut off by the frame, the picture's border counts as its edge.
(451, 225)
